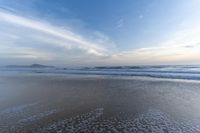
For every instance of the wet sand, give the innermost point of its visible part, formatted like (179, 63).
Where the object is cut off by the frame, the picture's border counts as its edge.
(52, 103)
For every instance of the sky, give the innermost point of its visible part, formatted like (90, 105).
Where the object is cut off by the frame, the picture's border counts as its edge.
(100, 32)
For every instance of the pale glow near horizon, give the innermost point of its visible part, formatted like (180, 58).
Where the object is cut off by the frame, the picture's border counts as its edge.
(27, 39)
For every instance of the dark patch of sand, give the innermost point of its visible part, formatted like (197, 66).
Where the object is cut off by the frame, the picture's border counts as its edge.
(36, 102)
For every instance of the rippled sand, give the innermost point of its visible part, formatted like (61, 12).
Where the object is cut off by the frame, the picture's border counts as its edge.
(49, 103)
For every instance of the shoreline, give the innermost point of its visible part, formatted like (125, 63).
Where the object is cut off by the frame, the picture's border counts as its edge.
(36, 99)
(100, 76)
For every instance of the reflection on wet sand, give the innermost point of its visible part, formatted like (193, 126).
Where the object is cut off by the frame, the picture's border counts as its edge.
(42, 103)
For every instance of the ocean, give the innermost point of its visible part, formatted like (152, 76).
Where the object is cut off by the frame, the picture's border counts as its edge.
(167, 71)
(155, 99)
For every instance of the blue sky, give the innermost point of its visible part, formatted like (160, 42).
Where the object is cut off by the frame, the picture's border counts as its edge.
(99, 32)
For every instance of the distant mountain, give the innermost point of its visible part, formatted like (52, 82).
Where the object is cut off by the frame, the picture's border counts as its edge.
(30, 66)
(39, 65)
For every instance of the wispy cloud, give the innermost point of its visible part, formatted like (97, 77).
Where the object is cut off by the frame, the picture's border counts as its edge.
(53, 34)
(182, 48)
(120, 23)
(141, 16)
(23, 53)
(26, 38)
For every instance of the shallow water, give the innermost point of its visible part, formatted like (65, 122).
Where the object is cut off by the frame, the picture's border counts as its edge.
(189, 72)
(43, 103)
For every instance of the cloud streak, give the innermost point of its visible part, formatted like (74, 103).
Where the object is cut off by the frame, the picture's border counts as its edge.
(25, 38)
(60, 35)
(182, 48)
